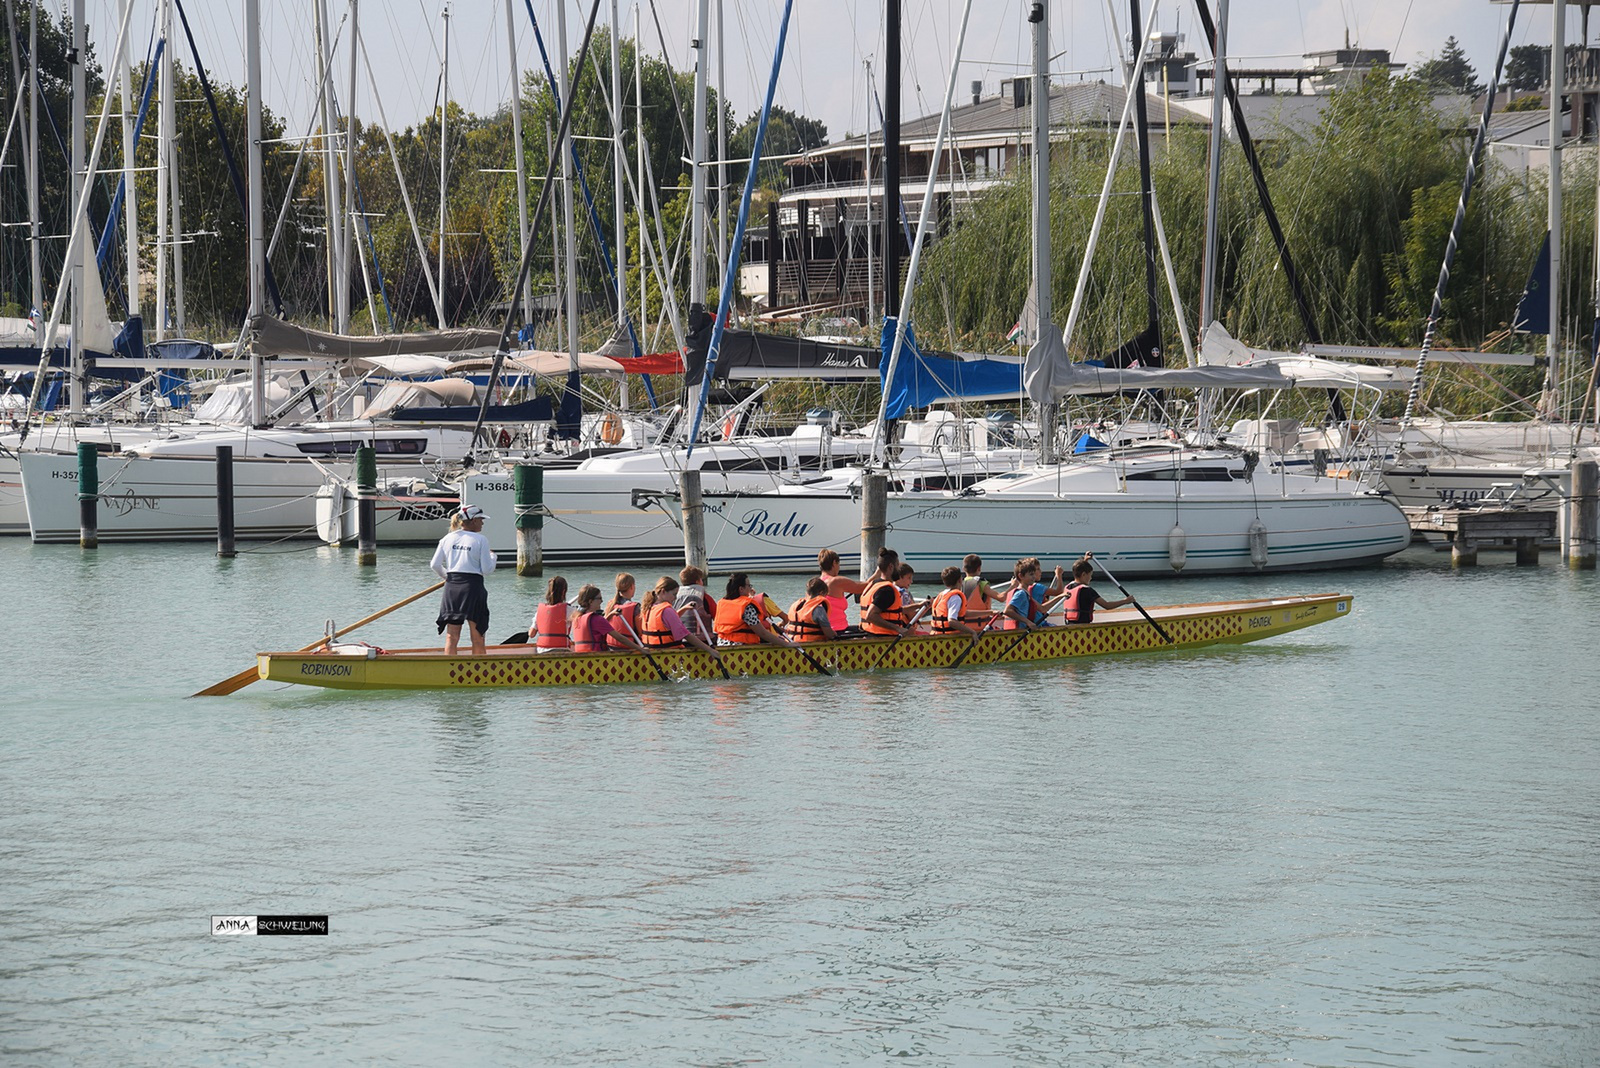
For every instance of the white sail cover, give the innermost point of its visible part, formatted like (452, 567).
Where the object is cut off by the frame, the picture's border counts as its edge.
(1218, 348)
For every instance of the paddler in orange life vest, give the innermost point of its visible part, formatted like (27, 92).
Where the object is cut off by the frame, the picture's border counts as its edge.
(551, 621)
(741, 616)
(809, 617)
(950, 606)
(1081, 597)
(590, 631)
(1028, 603)
(976, 593)
(887, 606)
(659, 622)
(623, 611)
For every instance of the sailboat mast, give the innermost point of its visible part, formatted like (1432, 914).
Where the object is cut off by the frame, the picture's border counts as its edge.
(722, 138)
(1219, 74)
(75, 380)
(35, 265)
(518, 164)
(568, 220)
(444, 154)
(256, 202)
(866, 185)
(619, 164)
(1141, 126)
(697, 178)
(348, 226)
(330, 178)
(1558, 52)
(129, 202)
(1039, 17)
(891, 157)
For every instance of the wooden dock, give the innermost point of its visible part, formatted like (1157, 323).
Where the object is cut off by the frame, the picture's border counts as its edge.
(1470, 529)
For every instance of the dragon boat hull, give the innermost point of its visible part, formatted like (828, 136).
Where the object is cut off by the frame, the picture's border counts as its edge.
(516, 666)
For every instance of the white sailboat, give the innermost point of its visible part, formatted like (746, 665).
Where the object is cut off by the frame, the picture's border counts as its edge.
(1161, 508)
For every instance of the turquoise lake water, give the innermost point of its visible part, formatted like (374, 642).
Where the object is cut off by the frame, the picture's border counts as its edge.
(1375, 842)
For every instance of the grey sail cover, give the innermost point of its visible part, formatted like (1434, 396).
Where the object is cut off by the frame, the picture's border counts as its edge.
(274, 337)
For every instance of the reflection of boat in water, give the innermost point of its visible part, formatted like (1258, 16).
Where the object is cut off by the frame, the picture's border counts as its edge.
(1191, 626)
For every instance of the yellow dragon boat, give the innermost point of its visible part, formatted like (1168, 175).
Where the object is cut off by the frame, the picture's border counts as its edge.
(1190, 626)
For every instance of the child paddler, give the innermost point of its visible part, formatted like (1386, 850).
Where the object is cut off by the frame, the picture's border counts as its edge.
(622, 611)
(661, 627)
(977, 595)
(887, 607)
(809, 616)
(1027, 603)
(1081, 597)
(462, 559)
(950, 607)
(741, 616)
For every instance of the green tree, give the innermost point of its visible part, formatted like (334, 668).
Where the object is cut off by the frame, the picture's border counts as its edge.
(1449, 72)
(788, 134)
(1527, 67)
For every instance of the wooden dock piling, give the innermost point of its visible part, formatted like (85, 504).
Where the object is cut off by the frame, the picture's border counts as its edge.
(874, 518)
(694, 519)
(1583, 516)
(527, 482)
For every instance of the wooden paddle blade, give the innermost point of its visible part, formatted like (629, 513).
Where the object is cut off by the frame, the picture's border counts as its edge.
(230, 684)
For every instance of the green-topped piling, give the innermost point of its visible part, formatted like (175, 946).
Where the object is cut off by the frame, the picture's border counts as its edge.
(88, 495)
(527, 481)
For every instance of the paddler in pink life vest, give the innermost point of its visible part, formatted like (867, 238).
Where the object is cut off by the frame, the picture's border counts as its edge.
(840, 588)
(548, 631)
(622, 612)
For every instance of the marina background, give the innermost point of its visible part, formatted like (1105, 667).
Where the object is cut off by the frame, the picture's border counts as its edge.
(1370, 843)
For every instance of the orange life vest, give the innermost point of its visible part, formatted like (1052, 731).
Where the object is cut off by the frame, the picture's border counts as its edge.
(628, 613)
(550, 627)
(838, 606)
(729, 622)
(895, 615)
(656, 631)
(802, 627)
(977, 599)
(941, 605)
(583, 636)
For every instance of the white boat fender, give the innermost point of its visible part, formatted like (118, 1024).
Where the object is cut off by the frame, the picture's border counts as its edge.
(1177, 548)
(1257, 535)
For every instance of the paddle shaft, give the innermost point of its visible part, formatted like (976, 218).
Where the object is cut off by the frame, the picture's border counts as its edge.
(1103, 570)
(897, 637)
(635, 636)
(238, 682)
(974, 643)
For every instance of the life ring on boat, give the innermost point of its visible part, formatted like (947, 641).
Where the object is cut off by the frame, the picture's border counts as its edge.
(729, 425)
(611, 429)
(504, 438)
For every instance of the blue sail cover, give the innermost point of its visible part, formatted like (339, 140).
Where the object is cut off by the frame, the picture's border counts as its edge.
(1533, 310)
(921, 378)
